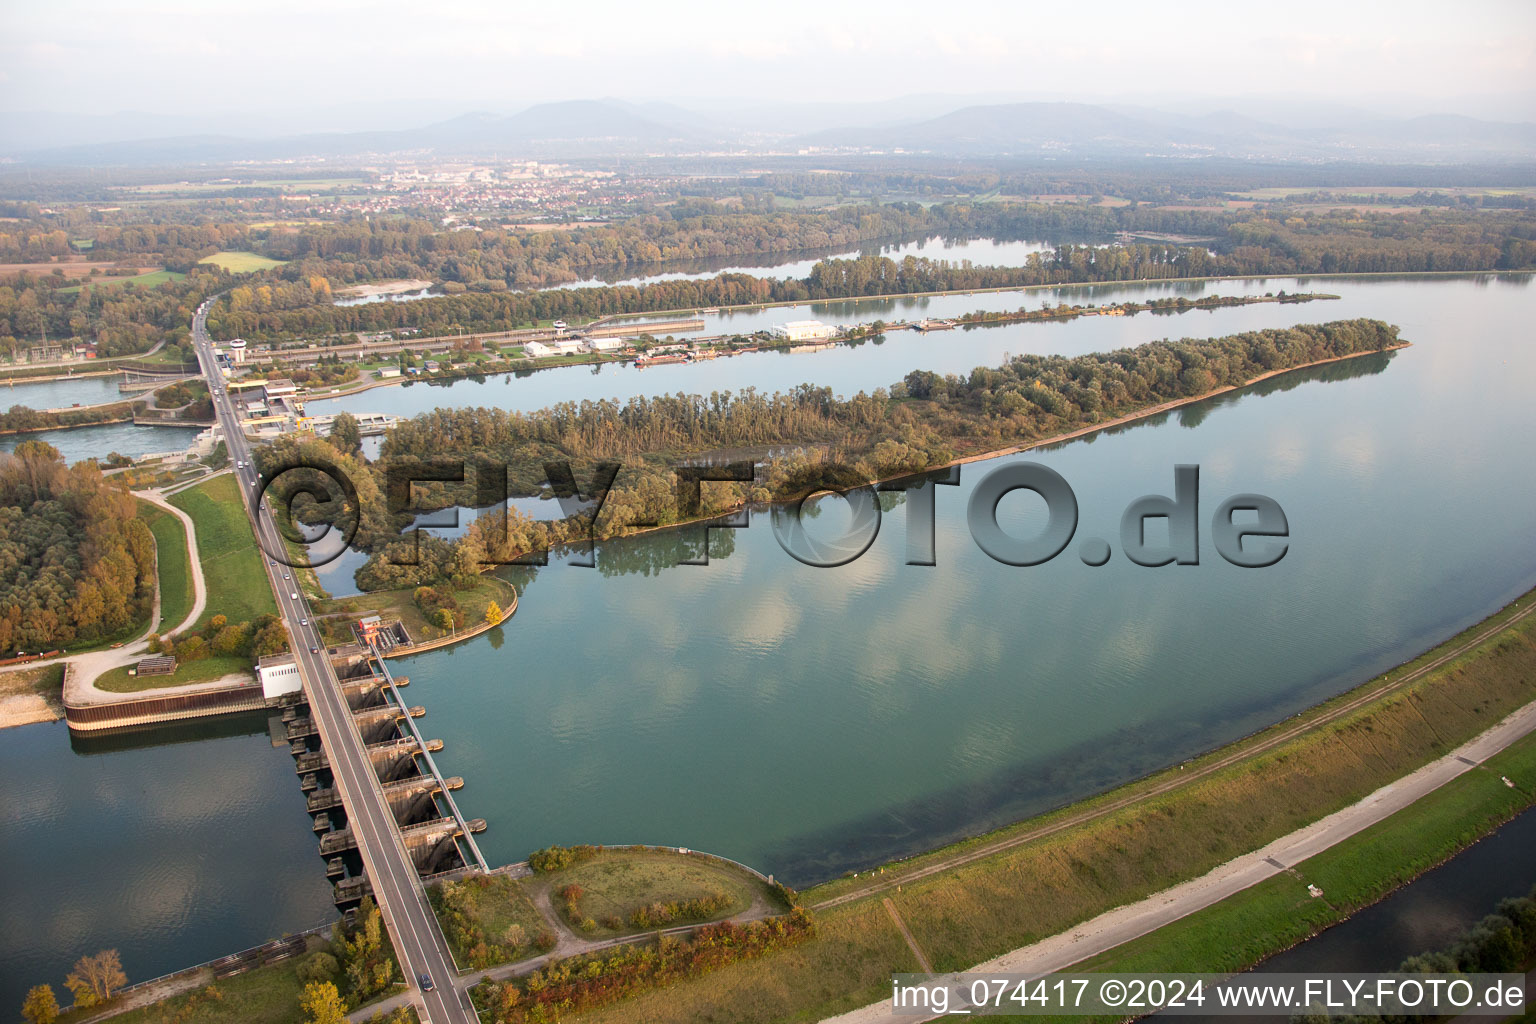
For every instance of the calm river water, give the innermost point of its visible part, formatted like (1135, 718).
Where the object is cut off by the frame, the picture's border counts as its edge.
(810, 721)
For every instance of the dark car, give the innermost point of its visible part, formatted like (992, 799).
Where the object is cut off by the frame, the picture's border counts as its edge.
(426, 983)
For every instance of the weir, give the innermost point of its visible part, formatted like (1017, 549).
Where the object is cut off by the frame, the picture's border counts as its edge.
(417, 795)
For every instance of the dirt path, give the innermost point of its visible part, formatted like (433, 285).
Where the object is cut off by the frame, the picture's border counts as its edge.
(199, 587)
(895, 877)
(1134, 920)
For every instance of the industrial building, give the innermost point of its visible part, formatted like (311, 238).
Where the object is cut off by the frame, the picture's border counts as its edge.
(540, 349)
(802, 330)
(279, 674)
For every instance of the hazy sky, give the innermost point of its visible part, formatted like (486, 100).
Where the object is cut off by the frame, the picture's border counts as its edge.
(290, 57)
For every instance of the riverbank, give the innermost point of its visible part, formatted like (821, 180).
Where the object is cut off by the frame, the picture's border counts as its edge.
(31, 695)
(748, 307)
(969, 902)
(720, 346)
(994, 453)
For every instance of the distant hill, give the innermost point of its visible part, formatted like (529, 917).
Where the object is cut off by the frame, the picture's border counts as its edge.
(595, 128)
(1080, 129)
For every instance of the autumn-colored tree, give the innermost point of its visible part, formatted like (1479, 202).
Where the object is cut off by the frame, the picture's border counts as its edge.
(492, 613)
(95, 978)
(322, 1004)
(40, 1007)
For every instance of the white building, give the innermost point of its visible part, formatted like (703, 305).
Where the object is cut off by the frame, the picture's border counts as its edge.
(604, 344)
(540, 349)
(802, 330)
(279, 674)
(388, 372)
(237, 350)
(279, 387)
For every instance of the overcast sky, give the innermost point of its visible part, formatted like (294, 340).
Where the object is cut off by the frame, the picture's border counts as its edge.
(310, 60)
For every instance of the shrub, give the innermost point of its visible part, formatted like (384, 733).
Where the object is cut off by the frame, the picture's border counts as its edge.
(558, 858)
(317, 967)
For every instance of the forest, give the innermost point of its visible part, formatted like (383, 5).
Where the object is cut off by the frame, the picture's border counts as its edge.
(1244, 243)
(77, 566)
(806, 437)
(489, 271)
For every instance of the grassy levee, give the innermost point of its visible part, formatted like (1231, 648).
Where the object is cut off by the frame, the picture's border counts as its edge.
(172, 564)
(226, 547)
(1276, 914)
(266, 995)
(975, 900)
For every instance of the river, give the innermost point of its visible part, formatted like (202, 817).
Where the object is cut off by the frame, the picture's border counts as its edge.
(986, 252)
(811, 721)
(132, 841)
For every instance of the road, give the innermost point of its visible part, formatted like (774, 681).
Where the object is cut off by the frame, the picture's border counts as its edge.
(418, 940)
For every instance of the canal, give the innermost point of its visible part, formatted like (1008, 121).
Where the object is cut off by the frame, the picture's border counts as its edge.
(98, 441)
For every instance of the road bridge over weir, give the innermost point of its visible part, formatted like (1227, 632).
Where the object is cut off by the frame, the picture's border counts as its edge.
(390, 862)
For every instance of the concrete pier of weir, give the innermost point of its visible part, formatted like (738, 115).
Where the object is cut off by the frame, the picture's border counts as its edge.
(416, 793)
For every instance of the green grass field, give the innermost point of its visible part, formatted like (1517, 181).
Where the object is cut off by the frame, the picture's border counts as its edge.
(1012, 897)
(203, 670)
(616, 883)
(171, 563)
(150, 280)
(241, 262)
(232, 571)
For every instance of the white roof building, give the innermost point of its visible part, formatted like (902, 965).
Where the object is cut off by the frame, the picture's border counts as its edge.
(279, 674)
(604, 344)
(802, 330)
(540, 349)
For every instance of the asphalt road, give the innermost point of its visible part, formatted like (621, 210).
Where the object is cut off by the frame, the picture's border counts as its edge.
(418, 940)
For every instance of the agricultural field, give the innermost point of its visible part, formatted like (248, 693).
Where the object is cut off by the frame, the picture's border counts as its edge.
(241, 262)
(151, 279)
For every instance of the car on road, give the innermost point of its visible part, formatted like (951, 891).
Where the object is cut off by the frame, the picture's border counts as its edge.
(303, 622)
(293, 597)
(285, 575)
(314, 650)
(426, 983)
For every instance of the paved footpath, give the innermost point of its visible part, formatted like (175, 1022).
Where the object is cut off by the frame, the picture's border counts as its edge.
(1134, 920)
